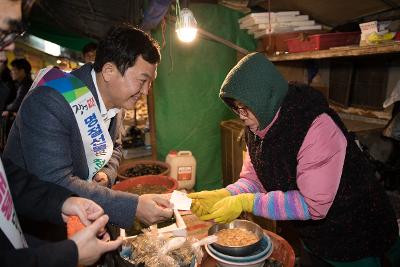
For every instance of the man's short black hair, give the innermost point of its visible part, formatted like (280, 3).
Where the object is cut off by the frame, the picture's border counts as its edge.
(22, 64)
(89, 47)
(122, 46)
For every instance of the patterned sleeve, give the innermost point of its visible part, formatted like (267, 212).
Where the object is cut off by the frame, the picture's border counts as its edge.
(248, 182)
(320, 165)
(275, 205)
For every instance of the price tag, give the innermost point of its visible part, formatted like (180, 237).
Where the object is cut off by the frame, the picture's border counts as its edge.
(180, 200)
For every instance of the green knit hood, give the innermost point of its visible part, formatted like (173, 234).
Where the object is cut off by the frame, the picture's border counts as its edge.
(256, 83)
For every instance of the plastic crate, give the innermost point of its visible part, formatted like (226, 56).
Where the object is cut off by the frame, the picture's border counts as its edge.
(397, 37)
(322, 41)
(277, 42)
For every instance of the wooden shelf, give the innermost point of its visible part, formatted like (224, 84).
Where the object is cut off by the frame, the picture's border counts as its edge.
(347, 51)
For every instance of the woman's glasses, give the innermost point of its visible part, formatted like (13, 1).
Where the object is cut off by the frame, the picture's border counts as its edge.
(240, 110)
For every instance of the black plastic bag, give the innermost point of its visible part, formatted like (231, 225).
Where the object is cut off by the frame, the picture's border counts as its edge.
(112, 258)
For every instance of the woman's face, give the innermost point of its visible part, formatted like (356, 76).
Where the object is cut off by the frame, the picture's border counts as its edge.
(246, 115)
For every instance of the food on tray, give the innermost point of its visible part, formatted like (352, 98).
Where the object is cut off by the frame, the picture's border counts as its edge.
(236, 237)
(149, 250)
(144, 169)
(147, 189)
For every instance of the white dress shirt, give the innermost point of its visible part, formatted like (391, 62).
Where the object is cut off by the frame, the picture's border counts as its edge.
(107, 115)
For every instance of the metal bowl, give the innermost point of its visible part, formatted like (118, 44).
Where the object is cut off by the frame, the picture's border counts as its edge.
(237, 250)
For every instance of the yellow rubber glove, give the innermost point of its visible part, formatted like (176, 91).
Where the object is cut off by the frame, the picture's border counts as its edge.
(229, 208)
(203, 201)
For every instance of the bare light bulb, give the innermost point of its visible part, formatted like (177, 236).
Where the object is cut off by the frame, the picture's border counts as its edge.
(186, 26)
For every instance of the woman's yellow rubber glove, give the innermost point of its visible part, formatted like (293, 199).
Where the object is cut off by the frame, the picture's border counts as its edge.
(203, 201)
(229, 208)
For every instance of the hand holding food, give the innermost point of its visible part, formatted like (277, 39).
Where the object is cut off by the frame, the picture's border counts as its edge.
(203, 201)
(229, 208)
(86, 209)
(90, 248)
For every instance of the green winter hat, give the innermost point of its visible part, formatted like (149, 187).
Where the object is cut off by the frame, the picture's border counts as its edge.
(256, 83)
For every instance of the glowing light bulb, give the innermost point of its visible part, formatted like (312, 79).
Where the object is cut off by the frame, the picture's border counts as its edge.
(186, 26)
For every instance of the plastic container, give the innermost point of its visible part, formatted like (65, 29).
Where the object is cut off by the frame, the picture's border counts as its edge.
(183, 168)
(397, 37)
(166, 181)
(322, 41)
(277, 42)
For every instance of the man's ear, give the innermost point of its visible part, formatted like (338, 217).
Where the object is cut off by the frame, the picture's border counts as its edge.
(108, 71)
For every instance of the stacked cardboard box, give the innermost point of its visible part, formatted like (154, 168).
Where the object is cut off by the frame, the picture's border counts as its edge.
(260, 24)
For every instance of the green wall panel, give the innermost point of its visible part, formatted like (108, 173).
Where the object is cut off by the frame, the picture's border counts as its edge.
(188, 110)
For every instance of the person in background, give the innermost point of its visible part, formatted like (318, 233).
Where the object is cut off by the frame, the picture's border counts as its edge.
(7, 94)
(304, 166)
(27, 195)
(5, 77)
(21, 75)
(67, 130)
(89, 52)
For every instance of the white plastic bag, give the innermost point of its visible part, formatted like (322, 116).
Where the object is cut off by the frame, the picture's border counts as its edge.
(394, 96)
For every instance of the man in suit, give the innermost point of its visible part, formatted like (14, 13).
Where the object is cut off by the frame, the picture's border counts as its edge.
(23, 194)
(67, 128)
(47, 202)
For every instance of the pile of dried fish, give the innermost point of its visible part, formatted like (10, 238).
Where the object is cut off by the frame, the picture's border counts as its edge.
(154, 250)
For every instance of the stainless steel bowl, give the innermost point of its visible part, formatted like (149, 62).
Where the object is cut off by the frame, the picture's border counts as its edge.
(238, 250)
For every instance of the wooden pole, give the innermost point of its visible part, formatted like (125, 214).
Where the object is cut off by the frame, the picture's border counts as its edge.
(152, 124)
(222, 41)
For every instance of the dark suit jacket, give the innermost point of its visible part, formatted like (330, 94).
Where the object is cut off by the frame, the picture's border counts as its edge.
(4, 94)
(41, 201)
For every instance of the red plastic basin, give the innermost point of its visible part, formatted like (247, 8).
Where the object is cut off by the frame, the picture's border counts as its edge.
(170, 183)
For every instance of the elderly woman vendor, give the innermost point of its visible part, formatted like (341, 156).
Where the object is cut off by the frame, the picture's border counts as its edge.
(303, 165)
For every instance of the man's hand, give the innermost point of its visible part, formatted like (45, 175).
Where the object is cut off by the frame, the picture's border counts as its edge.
(90, 248)
(153, 208)
(5, 113)
(101, 178)
(85, 209)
